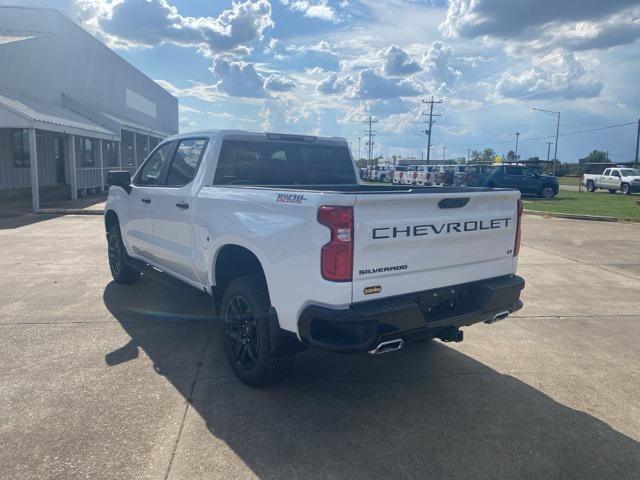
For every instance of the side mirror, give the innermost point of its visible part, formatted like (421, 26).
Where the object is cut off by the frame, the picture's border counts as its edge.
(120, 178)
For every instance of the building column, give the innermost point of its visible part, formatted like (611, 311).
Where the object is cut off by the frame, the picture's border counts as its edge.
(135, 150)
(120, 151)
(33, 165)
(101, 158)
(72, 167)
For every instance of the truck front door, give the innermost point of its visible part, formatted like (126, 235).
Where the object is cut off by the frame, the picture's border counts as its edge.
(172, 210)
(136, 225)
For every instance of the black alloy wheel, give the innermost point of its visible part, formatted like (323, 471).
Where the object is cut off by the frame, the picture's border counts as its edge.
(242, 331)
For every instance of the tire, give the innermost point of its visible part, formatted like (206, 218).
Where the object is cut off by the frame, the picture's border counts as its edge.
(612, 190)
(120, 271)
(591, 187)
(546, 192)
(245, 313)
(624, 189)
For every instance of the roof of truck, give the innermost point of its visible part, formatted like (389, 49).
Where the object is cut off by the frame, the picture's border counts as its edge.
(266, 135)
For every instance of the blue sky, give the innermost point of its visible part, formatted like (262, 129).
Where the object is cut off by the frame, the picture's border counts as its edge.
(323, 66)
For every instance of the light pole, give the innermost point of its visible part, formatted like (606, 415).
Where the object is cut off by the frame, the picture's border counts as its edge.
(555, 151)
(517, 137)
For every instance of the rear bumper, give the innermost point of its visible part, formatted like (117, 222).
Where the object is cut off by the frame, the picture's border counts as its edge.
(364, 325)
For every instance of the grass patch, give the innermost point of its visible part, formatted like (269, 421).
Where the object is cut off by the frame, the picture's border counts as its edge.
(621, 206)
(575, 181)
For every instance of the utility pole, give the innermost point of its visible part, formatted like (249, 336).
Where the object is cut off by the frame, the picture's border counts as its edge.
(468, 155)
(370, 134)
(548, 150)
(555, 152)
(637, 143)
(517, 137)
(444, 154)
(359, 151)
(431, 103)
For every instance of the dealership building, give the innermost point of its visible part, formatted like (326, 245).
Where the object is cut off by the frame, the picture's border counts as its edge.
(70, 109)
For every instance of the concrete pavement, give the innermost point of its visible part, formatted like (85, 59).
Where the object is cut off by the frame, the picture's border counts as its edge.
(105, 381)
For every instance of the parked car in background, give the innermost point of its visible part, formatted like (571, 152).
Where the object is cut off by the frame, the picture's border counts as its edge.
(627, 180)
(411, 176)
(513, 176)
(380, 173)
(398, 175)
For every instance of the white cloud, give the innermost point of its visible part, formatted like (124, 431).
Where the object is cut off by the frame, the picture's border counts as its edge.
(288, 116)
(398, 63)
(552, 76)
(333, 84)
(436, 63)
(511, 19)
(152, 22)
(238, 79)
(312, 9)
(279, 83)
(372, 85)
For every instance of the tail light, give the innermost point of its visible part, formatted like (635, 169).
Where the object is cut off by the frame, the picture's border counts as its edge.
(415, 174)
(516, 247)
(336, 260)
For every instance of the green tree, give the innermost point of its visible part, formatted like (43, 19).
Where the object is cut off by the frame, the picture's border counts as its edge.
(476, 156)
(597, 156)
(488, 155)
(512, 157)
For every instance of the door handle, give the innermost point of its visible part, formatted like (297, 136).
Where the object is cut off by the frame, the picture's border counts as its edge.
(182, 205)
(146, 200)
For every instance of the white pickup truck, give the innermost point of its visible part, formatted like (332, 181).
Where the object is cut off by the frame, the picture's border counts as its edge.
(627, 180)
(297, 253)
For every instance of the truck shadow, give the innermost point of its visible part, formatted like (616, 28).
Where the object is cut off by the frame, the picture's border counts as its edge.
(427, 411)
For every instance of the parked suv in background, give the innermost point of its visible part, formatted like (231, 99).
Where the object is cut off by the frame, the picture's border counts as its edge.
(514, 176)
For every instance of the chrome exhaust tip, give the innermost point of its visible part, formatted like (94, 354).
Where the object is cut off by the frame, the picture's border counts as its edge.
(386, 347)
(498, 316)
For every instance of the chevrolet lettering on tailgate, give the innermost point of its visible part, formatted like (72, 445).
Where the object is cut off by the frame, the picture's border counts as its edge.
(440, 228)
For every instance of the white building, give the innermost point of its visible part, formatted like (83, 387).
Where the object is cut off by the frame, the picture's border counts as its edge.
(70, 108)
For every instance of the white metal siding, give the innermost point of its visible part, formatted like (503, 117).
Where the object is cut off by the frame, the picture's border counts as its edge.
(67, 59)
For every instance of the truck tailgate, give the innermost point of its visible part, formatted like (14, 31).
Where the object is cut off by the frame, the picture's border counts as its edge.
(408, 242)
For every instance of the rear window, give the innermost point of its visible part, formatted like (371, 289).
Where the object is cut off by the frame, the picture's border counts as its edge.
(283, 163)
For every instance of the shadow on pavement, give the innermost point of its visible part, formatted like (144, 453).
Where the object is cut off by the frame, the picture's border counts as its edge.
(426, 411)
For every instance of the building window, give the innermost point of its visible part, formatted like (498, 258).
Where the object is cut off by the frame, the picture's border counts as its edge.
(87, 157)
(21, 149)
(110, 154)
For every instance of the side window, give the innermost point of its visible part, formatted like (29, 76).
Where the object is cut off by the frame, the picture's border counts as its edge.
(528, 172)
(512, 170)
(152, 169)
(615, 173)
(607, 172)
(185, 161)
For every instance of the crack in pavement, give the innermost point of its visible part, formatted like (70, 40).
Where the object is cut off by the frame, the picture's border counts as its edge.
(188, 400)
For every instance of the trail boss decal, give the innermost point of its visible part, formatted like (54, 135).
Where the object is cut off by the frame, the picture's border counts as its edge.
(440, 228)
(290, 198)
(372, 290)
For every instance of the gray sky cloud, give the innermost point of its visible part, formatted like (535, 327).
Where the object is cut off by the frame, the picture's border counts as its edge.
(398, 63)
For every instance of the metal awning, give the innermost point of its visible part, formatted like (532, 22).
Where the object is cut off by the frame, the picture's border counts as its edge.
(136, 127)
(47, 116)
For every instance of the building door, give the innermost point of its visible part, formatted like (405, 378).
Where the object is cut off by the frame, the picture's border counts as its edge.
(58, 155)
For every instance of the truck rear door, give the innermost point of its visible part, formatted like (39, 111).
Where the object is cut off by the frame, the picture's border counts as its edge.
(407, 242)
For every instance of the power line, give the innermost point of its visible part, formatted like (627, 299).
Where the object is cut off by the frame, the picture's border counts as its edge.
(370, 134)
(547, 136)
(431, 103)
